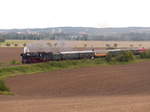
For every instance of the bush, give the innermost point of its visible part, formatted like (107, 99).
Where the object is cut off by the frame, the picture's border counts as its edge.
(7, 44)
(145, 55)
(3, 86)
(123, 56)
(14, 62)
(15, 45)
(24, 44)
(109, 57)
(99, 61)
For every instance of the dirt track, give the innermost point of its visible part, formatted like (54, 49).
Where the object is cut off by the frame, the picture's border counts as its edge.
(124, 88)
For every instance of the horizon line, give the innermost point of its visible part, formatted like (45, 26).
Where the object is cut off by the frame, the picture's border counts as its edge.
(74, 27)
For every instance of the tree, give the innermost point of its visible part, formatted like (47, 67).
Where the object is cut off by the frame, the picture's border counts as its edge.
(49, 44)
(107, 45)
(140, 45)
(85, 45)
(55, 44)
(24, 44)
(115, 45)
(7, 44)
(131, 45)
(15, 44)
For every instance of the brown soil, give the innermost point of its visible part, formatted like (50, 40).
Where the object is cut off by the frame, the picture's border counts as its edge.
(119, 88)
(88, 81)
(9, 54)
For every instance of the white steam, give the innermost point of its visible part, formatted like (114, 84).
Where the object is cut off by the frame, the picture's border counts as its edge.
(46, 46)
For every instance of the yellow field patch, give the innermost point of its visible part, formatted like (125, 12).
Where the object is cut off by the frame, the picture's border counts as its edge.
(83, 44)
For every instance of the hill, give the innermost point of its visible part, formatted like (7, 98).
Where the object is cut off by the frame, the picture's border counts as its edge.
(78, 33)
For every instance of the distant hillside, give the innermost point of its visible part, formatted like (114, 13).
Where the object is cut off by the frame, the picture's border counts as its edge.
(78, 33)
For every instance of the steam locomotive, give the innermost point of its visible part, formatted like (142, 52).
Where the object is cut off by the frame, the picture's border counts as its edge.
(36, 57)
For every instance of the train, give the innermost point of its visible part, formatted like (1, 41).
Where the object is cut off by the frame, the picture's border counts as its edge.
(37, 57)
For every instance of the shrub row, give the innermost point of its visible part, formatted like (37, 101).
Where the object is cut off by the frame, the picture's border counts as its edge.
(123, 56)
(145, 54)
(3, 87)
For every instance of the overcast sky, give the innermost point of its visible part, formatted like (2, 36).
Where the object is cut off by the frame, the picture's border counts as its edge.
(91, 13)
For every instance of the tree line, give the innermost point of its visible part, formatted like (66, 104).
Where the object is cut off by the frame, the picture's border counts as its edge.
(131, 36)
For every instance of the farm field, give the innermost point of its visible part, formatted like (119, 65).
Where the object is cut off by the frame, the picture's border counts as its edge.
(9, 54)
(80, 44)
(118, 88)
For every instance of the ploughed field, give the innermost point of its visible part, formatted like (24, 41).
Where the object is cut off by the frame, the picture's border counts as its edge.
(118, 88)
(8, 54)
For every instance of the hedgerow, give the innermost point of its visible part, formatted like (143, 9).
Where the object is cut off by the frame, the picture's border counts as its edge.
(123, 56)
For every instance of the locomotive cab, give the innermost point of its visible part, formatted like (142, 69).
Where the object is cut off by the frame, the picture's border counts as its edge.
(32, 57)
